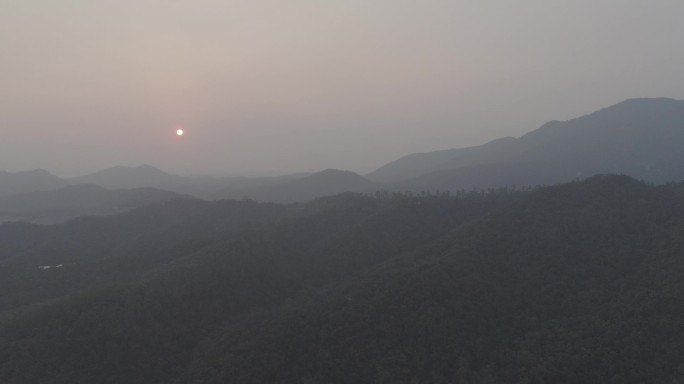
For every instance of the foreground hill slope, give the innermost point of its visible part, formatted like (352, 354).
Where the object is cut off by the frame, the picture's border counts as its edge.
(170, 276)
(579, 283)
(638, 137)
(571, 284)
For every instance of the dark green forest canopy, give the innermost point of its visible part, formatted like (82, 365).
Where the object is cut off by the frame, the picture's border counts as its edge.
(574, 283)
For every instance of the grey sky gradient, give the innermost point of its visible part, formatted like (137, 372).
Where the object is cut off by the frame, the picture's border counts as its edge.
(293, 85)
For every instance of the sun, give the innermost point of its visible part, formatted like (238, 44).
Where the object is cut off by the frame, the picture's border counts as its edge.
(180, 132)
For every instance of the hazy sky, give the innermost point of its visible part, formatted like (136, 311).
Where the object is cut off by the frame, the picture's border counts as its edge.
(287, 85)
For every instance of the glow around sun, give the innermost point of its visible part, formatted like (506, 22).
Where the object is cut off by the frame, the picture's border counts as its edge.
(180, 132)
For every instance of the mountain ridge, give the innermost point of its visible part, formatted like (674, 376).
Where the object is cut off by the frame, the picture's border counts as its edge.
(640, 137)
(646, 126)
(58, 205)
(27, 181)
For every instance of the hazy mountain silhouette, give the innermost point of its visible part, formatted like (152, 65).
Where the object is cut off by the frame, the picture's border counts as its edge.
(301, 188)
(29, 181)
(238, 188)
(638, 137)
(58, 205)
(204, 187)
(146, 176)
(130, 177)
(417, 164)
(298, 187)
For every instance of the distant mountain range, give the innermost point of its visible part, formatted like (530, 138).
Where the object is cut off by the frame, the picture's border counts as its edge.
(130, 177)
(40, 197)
(30, 181)
(299, 187)
(54, 206)
(638, 137)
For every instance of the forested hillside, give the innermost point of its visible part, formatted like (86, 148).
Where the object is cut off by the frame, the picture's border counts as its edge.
(573, 283)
